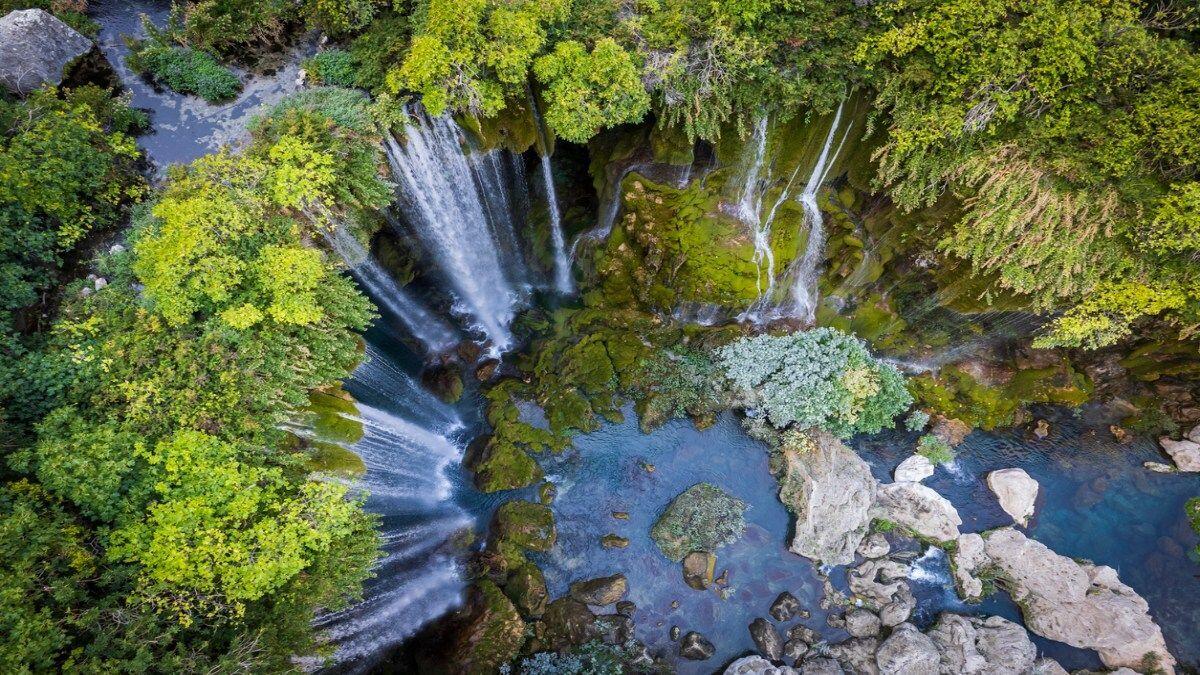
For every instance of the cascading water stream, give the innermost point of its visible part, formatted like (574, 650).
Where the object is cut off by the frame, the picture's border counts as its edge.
(562, 263)
(436, 335)
(446, 196)
(408, 450)
(749, 207)
(803, 301)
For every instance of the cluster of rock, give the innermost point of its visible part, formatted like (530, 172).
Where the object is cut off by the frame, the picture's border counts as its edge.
(835, 498)
(1074, 602)
(694, 525)
(955, 645)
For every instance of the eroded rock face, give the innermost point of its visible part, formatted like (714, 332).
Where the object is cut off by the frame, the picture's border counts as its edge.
(484, 634)
(919, 509)
(971, 646)
(1078, 603)
(35, 48)
(830, 490)
(862, 623)
(1017, 493)
(874, 546)
(907, 651)
(914, 469)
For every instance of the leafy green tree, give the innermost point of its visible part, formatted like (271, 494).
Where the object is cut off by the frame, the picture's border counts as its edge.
(588, 91)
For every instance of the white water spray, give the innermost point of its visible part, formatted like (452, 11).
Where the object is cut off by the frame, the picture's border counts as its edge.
(562, 263)
(439, 185)
(803, 301)
(436, 335)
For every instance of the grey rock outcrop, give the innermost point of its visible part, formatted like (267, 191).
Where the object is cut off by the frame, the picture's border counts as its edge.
(874, 546)
(1081, 604)
(976, 646)
(919, 509)
(907, 651)
(830, 490)
(35, 49)
(1017, 493)
(861, 623)
(856, 655)
(785, 607)
(914, 469)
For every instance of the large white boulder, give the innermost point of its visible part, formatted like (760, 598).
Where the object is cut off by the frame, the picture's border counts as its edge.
(914, 469)
(1185, 453)
(919, 509)
(1081, 604)
(1017, 493)
(35, 48)
(830, 490)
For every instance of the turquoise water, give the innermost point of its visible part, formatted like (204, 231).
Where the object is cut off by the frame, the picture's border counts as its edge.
(1097, 502)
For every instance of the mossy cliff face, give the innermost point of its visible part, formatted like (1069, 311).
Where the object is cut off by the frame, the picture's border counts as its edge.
(331, 420)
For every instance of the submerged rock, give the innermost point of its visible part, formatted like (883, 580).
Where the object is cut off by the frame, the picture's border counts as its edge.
(914, 469)
(696, 647)
(907, 651)
(35, 49)
(950, 430)
(918, 508)
(698, 568)
(1081, 604)
(1017, 493)
(613, 541)
(568, 622)
(702, 518)
(767, 639)
(830, 490)
(785, 607)
(601, 591)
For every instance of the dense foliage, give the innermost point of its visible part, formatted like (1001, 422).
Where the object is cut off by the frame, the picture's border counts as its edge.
(815, 379)
(163, 519)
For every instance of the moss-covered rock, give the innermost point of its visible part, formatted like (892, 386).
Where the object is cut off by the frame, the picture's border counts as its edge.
(499, 465)
(444, 380)
(525, 524)
(958, 394)
(526, 587)
(485, 634)
(702, 518)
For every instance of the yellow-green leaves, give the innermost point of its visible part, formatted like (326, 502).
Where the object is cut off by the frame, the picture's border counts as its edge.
(588, 91)
(222, 532)
(301, 173)
(289, 277)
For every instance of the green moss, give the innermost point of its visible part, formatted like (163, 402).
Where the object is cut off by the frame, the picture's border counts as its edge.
(335, 459)
(671, 145)
(501, 631)
(502, 465)
(332, 416)
(526, 587)
(525, 524)
(513, 128)
(958, 395)
(1161, 358)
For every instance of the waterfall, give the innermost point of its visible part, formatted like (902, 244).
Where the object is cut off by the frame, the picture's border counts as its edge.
(562, 264)
(803, 300)
(749, 209)
(450, 203)
(436, 335)
(408, 451)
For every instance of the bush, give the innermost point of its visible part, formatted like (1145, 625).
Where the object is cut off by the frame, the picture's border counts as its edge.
(916, 420)
(818, 378)
(334, 67)
(935, 449)
(185, 70)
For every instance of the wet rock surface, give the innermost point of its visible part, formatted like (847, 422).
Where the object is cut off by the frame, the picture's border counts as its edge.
(698, 568)
(601, 591)
(767, 639)
(918, 508)
(696, 647)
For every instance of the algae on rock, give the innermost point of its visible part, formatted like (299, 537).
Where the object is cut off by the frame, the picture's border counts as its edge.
(702, 518)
